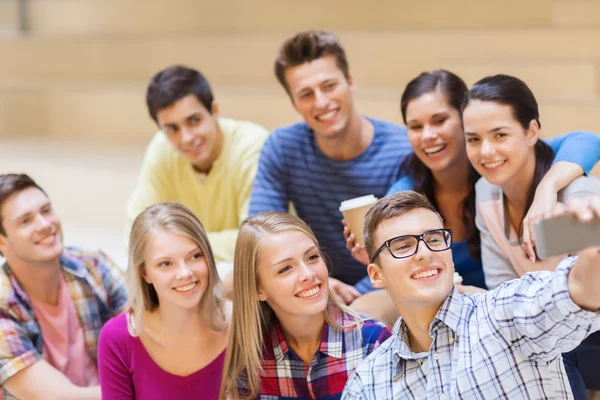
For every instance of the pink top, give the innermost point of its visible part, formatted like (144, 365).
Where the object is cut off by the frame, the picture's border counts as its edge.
(502, 256)
(64, 345)
(128, 372)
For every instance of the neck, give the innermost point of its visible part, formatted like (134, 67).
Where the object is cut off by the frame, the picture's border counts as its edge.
(303, 334)
(349, 143)
(455, 178)
(175, 323)
(41, 281)
(418, 320)
(207, 166)
(516, 190)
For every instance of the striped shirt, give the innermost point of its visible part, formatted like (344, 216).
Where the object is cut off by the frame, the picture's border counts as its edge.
(501, 344)
(94, 284)
(293, 169)
(285, 376)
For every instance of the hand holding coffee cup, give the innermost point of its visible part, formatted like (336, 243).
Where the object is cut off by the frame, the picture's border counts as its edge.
(354, 211)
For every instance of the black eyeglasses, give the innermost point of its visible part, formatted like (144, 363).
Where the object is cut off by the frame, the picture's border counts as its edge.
(407, 245)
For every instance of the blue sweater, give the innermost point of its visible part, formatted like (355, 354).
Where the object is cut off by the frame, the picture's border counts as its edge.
(293, 169)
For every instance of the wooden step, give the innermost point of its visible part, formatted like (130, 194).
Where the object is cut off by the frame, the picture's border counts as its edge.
(576, 13)
(553, 64)
(118, 17)
(117, 113)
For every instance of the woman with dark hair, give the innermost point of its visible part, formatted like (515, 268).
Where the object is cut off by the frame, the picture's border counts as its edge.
(502, 130)
(439, 168)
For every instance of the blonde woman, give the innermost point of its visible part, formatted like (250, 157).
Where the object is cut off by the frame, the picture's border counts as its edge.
(289, 338)
(171, 342)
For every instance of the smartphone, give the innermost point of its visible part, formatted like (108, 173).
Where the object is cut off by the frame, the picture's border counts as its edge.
(565, 235)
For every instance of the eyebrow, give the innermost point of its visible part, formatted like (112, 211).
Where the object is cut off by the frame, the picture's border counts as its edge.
(290, 258)
(433, 116)
(162, 258)
(28, 213)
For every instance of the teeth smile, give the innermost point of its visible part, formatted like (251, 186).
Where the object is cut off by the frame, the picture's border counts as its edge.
(433, 150)
(186, 288)
(310, 292)
(327, 116)
(494, 164)
(425, 274)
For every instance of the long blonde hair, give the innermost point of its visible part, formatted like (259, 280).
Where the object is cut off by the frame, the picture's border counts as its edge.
(252, 318)
(178, 219)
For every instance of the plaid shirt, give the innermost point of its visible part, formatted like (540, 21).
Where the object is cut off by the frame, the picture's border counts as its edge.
(285, 376)
(502, 344)
(94, 283)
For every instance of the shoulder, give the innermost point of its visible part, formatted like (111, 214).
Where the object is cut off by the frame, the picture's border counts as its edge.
(486, 191)
(386, 128)
(404, 183)
(93, 261)
(115, 335)
(243, 130)
(381, 356)
(160, 149)
(584, 185)
(295, 134)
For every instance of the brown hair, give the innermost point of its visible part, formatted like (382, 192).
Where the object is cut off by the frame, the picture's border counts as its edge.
(306, 47)
(176, 218)
(11, 184)
(390, 207)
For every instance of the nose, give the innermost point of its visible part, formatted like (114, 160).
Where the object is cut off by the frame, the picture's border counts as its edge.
(423, 251)
(487, 149)
(183, 271)
(187, 136)
(429, 133)
(43, 223)
(306, 273)
(321, 100)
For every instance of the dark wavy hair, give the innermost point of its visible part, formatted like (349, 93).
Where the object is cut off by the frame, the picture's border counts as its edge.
(456, 93)
(513, 92)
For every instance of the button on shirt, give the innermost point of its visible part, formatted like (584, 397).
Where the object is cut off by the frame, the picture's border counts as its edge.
(502, 344)
(285, 376)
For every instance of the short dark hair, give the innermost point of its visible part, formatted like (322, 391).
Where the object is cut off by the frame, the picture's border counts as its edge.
(174, 83)
(11, 184)
(390, 207)
(308, 46)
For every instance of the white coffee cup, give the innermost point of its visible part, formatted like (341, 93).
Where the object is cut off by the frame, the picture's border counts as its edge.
(354, 211)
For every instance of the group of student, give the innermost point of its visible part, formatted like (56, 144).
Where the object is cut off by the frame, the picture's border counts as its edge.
(306, 311)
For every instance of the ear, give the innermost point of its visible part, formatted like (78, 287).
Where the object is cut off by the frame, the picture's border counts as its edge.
(3, 244)
(350, 80)
(145, 275)
(533, 133)
(214, 109)
(377, 278)
(262, 296)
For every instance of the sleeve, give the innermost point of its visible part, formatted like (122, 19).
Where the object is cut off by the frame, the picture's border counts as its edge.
(404, 183)
(536, 314)
(112, 280)
(355, 389)
(580, 187)
(497, 268)
(270, 191)
(374, 334)
(17, 351)
(154, 184)
(113, 370)
(581, 148)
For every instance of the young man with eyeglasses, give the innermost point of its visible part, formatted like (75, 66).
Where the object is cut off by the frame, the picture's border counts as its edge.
(505, 343)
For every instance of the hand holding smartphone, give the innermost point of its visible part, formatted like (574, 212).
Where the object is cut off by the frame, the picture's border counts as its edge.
(573, 228)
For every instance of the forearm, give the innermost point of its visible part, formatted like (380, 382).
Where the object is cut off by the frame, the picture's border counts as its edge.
(559, 176)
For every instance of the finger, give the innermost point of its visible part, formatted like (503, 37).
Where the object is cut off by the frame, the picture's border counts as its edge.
(347, 295)
(595, 205)
(558, 210)
(527, 245)
(346, 232)
(344, 222)
(351, 242)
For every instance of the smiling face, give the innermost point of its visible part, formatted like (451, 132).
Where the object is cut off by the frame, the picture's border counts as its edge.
(192, 130)
(421, 280)
(322, 95)
(33, 230)
(435, 131)
(292, 275)
(498, 146)
(176, 266)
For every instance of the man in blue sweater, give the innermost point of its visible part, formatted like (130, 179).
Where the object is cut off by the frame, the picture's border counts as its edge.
(334, 155)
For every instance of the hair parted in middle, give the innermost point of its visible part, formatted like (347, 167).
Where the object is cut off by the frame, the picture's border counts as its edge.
(251, 317)
(389, 207)
(308, 46)
(178, 219)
